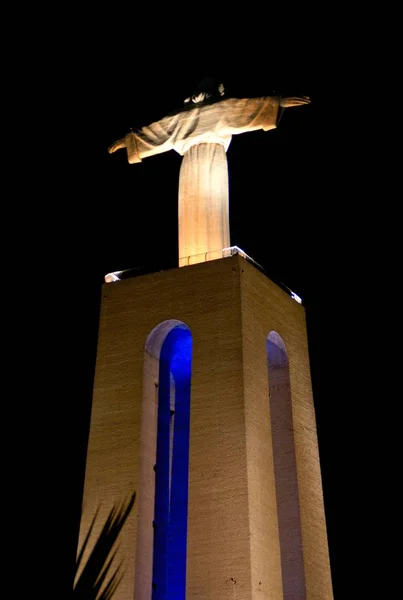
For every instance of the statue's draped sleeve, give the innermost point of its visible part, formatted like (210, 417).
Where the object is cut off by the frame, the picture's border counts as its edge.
(154, 139)
(251, 114)
(211, 123)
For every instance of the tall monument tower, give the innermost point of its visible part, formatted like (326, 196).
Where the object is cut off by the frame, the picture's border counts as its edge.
(203, 406)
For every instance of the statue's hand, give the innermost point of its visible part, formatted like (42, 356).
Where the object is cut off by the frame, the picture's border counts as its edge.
(291, 101)
(117, 146)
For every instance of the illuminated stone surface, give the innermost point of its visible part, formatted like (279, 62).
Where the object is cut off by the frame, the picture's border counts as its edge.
(233, 520)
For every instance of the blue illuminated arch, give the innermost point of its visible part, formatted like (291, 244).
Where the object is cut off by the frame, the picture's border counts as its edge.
(172, 466)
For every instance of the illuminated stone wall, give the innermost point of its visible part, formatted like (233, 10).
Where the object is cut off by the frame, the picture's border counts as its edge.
(233, 548)
(266, 308)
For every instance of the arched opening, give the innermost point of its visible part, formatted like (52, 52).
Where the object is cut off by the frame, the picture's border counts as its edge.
(285, 469)
(163, 494)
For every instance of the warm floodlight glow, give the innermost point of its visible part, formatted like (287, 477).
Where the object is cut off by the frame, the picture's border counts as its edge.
(296, 298)
(231, 250)
(111, 277)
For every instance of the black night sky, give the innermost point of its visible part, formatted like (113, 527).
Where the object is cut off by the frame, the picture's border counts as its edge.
(111, 215)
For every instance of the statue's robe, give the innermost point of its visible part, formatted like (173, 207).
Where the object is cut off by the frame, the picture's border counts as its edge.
(202, 135)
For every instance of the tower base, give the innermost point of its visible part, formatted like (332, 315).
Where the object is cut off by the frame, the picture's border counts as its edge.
(255, 516)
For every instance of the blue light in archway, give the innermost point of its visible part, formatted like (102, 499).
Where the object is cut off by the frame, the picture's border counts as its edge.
(171, 489)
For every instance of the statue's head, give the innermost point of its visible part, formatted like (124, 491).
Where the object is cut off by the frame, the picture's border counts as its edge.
(207, 90)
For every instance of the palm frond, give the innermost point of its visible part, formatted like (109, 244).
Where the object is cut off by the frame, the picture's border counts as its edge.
(94, 573)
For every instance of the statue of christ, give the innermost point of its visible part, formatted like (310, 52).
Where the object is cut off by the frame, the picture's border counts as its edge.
(201, 132)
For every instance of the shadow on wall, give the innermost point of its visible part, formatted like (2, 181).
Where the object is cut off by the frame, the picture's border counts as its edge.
(95, 574)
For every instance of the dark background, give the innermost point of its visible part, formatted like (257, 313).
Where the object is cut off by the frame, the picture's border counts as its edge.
(101, 214)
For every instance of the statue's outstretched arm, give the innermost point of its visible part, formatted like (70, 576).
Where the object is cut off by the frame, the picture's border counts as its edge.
(149, 140)
(290, 101)
(118, 145)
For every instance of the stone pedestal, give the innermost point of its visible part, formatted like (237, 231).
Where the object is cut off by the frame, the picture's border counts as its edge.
(252, 442)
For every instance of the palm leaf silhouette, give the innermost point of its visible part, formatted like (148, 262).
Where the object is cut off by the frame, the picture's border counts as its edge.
(96, 570)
